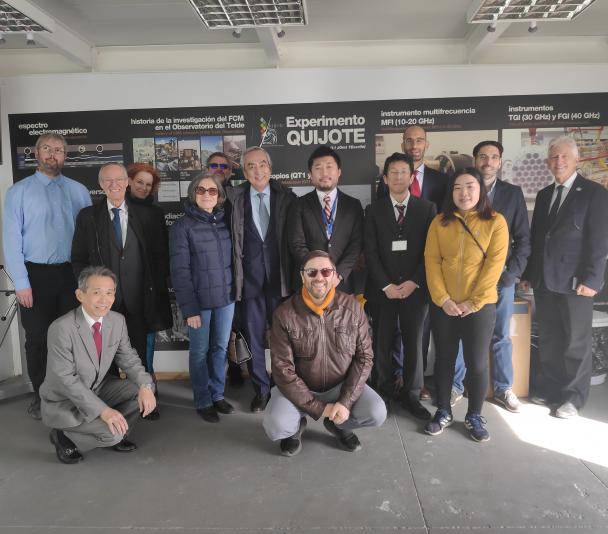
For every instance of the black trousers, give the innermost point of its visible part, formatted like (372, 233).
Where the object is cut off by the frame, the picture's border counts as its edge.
(138, 332)
(475, 331)
(407, 315)
(564, 346)
(53, 291)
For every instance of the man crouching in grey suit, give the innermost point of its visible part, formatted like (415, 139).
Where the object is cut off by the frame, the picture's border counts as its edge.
(86, 407)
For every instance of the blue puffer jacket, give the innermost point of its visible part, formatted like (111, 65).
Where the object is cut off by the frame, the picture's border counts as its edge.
(201, 261)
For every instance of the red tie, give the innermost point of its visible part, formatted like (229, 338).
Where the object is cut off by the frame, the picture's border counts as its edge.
(97, 337)
(415, 187)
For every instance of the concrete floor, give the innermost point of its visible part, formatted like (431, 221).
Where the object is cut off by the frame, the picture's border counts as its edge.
(536, 473)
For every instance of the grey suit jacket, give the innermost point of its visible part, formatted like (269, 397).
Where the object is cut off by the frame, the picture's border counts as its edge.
(74, 372)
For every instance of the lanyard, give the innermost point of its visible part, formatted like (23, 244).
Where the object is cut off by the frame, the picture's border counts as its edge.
(329, 224)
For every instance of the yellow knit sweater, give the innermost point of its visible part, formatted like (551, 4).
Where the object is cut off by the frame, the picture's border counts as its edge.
(455, 266)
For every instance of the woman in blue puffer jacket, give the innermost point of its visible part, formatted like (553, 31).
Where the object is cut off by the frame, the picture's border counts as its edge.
(201, 273)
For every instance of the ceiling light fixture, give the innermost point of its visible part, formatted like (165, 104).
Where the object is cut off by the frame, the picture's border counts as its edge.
(487, 11)
(29, 39)
(533, 28)
(281, 33)
(13, 21)
(222, 14)
(236, 33)
(491, 27)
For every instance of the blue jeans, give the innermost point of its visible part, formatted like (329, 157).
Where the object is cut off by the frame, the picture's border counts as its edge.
(502, 348)
(208, 348)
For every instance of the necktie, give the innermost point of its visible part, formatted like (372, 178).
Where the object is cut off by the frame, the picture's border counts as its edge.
(555, 207)
(401, 210)
(97, 337)
(116, 225)
(264, 216)
(415, 187)
(327, 208)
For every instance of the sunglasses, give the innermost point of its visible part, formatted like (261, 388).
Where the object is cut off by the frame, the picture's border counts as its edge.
(222, 166)
(202, 190)
(326, 272)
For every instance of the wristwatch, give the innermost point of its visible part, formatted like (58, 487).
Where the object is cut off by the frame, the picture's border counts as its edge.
(148, 386)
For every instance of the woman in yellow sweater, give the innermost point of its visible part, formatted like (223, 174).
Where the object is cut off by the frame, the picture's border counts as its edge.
(465, 253)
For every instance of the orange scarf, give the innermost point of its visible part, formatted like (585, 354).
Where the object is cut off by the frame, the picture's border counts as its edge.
(318, 308)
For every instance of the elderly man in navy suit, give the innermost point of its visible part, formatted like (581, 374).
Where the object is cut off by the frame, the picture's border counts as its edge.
(507, 199)
(566, 270)
(262, 268)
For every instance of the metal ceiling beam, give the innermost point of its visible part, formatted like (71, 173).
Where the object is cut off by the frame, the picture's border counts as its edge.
(270, 42)
(59, 37)
(480, 39)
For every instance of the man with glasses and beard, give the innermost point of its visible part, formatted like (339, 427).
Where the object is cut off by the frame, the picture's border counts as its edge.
(38, 225)
(321, 356)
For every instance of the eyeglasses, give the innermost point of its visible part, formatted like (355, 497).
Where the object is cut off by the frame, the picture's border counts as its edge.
(326, 272)
(202, 190)
(222, 166)
(58, 151)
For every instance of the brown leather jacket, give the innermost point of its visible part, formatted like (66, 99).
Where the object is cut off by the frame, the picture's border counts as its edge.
(312, 353)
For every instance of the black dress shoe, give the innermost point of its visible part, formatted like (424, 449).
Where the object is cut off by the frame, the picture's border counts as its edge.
(124, 446)
(416, 409)
(348, 439)
(65, 449)
(259, 402)
(293, 444)
(223, 406)
(209, 414)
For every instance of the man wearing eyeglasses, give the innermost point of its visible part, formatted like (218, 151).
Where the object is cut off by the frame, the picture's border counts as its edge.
(219, 163)
(395, 234)
(261, 263)
(38, 225)
(122, 236)
(321, 356)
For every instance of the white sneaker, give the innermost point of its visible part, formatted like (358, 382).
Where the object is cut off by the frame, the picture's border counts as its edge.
(509, 400)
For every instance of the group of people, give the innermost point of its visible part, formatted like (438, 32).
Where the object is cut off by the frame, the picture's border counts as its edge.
(442, 256)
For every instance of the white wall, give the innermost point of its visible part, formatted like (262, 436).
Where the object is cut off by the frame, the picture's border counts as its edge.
(95, 91)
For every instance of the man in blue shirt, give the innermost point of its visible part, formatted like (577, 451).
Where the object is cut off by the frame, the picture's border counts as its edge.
(37, 230)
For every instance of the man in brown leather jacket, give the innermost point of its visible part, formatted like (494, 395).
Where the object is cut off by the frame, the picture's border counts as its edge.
(321, 356)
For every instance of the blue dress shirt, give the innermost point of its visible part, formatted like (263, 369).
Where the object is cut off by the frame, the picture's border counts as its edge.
(38, 222)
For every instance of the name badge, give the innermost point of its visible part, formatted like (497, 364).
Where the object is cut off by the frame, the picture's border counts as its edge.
(399, 245)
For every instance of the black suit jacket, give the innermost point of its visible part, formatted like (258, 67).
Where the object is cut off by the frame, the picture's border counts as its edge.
(93, 238)
(509, 201)
(574, 249)
(306, 232)
(434, 187)
(384, 265)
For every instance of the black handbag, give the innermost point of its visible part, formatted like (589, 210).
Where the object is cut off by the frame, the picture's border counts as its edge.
(241, 352)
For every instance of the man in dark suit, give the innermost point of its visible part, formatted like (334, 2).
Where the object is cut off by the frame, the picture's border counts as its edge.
(428, 184)
(507, 199)
(327, 219)
(262, 267)
(84, 405)
(123, 236)
(566, 270)
(395, 234)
